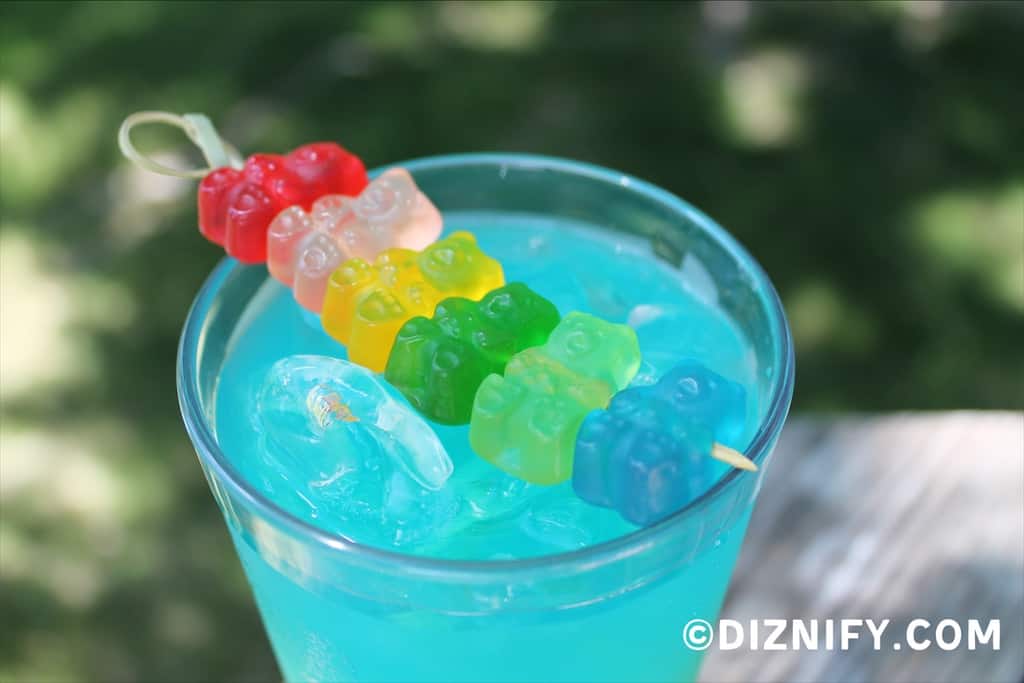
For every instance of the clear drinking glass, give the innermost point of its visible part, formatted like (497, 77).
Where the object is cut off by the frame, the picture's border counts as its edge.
(339, 611)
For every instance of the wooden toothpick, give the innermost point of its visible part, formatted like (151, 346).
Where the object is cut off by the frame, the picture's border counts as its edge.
(731, 456)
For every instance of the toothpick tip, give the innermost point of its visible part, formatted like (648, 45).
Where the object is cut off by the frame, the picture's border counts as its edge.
(731, 456)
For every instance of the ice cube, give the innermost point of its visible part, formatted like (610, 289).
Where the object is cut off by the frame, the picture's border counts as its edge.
(668, 332)
(487, 493)
(603, 295)
(343, 449)
(556, 523)
(559, 521)
(329, 391)
(490, 506)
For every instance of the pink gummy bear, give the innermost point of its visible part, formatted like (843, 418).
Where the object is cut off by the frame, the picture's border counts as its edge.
(303, 249)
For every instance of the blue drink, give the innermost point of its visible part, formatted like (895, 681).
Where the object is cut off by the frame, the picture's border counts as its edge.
(493, 579)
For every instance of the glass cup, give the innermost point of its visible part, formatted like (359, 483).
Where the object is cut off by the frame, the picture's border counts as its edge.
(339, 611)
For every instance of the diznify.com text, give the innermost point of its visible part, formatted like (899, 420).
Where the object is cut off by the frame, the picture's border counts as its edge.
(840, 634)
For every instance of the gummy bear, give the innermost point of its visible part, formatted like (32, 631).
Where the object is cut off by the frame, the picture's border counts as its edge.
(236, 207)
(367, 303)
(526, 421)
(439, 363)
(303, 249)
(645, 456)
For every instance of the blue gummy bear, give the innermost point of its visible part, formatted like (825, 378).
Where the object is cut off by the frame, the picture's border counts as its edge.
(644, 456)
(697, 392)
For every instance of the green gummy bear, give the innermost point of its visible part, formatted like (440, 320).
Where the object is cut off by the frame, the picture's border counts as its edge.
(438, 363)
(526, 421)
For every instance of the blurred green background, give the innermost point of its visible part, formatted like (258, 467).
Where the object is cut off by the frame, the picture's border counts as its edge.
(870, 155)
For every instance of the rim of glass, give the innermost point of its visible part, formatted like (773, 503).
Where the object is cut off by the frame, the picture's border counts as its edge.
(591, 557)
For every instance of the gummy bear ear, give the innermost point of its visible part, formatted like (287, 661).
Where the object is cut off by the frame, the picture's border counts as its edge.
(199, 130)
(463, 235)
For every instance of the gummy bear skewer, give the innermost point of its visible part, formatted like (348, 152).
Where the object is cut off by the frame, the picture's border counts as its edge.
(525, 421)
(439, 363)
(367, 303)
(305, 248)
(640, 455)
(237, 200)
(236, 207)
(546, 399)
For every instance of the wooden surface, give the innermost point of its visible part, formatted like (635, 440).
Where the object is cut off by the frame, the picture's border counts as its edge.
(891, 517)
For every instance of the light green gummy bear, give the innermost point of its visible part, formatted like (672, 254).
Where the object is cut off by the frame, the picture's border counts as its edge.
(526, 422)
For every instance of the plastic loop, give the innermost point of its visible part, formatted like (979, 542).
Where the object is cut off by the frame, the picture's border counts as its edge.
(199, 130)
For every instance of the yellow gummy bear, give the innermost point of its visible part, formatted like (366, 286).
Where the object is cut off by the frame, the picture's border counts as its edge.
(367, 303)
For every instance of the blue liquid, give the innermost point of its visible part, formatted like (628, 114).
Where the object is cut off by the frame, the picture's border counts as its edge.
(328, 634)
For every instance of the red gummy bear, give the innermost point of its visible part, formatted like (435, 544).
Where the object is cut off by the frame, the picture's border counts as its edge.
(236, 207)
